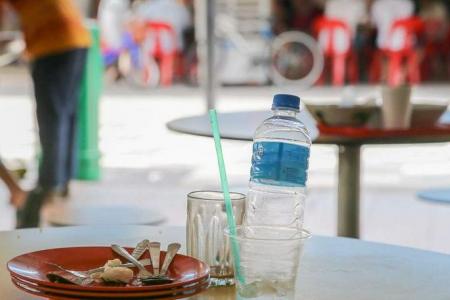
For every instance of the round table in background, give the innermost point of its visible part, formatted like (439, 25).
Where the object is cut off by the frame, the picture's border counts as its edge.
(332, 268)
(242, 125)
(437, 195)
(236, 125)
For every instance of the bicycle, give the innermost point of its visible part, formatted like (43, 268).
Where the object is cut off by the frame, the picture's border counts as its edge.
(291, 58)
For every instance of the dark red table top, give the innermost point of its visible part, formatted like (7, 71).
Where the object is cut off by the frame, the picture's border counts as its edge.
(364, 135)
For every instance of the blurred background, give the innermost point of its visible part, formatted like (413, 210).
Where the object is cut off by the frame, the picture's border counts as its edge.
(156, 65)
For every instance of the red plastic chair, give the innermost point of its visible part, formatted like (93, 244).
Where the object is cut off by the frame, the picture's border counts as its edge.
(163, 48)
(335, 38)
(397, 50)
(400, 47)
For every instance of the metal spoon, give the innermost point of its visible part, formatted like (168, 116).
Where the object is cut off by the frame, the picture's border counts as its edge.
(155, 249)
(172, 250)
(143, 273)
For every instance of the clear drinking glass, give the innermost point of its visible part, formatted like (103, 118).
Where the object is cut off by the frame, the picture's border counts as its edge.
(269, 261)
(206, 221)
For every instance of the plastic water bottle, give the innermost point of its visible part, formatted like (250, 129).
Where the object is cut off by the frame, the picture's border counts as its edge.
(281, 148)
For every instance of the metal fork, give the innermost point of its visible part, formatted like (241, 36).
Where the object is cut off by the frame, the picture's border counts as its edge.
(85, 274)
(161, 277)
(81, 274)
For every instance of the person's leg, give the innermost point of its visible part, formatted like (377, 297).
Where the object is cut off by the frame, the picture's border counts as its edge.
(56, 81)
(46, 74)
(73, 91)
(53, 130)
(71, 157)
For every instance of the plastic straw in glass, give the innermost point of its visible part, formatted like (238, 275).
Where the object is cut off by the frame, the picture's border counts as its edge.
(226, 193)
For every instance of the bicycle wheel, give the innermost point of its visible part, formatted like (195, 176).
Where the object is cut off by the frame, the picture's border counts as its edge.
(296, 59)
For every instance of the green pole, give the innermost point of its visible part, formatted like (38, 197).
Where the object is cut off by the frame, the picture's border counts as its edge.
(88, 154)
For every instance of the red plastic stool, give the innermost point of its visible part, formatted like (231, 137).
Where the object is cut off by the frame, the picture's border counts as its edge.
(163, 48)
(335, 38)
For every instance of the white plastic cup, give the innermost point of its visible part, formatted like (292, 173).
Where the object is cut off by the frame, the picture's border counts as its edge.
(269, 261)
(396, 108)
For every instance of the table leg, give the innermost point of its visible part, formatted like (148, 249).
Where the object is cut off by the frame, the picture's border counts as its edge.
(348, 190)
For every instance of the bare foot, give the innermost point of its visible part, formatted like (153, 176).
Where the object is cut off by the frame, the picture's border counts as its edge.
(18, 197)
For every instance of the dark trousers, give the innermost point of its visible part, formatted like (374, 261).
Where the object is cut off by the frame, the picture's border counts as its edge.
(57, 80)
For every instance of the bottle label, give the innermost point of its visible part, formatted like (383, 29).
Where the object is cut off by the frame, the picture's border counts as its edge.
(279, 163)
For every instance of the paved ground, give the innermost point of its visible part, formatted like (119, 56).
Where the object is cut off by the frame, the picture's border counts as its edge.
(145, 164)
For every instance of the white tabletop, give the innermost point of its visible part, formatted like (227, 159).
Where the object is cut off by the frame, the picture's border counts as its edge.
(239, 125)
(331, 268)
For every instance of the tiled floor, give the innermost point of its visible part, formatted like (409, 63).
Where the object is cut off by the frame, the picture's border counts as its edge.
(145, 164)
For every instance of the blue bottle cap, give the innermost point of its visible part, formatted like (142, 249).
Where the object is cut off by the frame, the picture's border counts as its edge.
(286, 101)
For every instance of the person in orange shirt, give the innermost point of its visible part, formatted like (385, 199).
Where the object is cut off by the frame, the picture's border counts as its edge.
(56, 44)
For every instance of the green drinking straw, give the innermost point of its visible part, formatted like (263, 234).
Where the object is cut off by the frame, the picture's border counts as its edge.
(226, 193)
